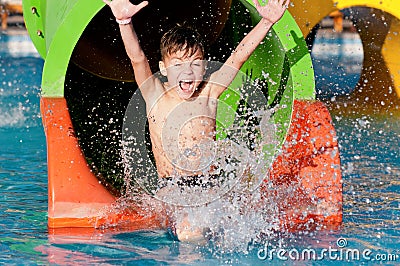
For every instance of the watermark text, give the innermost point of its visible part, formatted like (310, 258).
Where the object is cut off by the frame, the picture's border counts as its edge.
(340, 252)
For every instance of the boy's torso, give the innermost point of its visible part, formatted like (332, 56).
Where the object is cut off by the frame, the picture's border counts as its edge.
(182, 133)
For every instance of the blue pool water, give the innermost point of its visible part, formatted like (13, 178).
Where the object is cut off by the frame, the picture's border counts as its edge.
(370, 167)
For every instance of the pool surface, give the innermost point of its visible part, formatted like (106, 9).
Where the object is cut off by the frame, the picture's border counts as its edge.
(369, 148)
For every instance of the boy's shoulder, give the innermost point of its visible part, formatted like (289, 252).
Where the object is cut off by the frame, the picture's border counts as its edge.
(152, 89)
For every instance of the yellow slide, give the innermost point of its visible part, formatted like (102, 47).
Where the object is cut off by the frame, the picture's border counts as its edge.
(308, 13)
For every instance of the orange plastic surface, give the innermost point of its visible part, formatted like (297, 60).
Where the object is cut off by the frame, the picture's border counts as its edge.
(309, 167)
(76, 197)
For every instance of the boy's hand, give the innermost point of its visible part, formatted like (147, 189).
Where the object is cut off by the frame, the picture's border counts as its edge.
(273, 10)
(123, 9)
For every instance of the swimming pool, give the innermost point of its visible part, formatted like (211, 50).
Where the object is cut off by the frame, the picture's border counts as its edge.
(371, 211)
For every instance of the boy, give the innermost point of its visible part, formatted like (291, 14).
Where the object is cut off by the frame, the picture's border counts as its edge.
(181, 111)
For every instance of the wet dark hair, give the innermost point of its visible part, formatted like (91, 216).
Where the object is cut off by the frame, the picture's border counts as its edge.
(181, 38)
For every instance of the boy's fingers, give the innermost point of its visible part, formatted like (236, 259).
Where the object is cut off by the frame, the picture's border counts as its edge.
(142, 4)
(107, 2)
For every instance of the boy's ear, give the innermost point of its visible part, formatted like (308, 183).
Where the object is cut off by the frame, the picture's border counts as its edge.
(163, 70)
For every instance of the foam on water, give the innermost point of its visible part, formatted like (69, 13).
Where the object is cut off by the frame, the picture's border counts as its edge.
(18, 45)
(14, 116)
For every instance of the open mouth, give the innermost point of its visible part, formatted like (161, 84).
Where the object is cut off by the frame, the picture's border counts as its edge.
(186, 85)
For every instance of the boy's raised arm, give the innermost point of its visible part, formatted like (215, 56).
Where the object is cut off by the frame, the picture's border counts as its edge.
(123, 11)
(270, 14)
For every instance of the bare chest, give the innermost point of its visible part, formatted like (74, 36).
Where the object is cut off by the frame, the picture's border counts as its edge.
(186, 118)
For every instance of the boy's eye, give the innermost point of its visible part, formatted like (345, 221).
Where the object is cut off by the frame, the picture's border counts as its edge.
(196, 63)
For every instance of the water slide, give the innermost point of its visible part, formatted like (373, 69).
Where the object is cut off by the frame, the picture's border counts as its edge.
(378, 24)
(87, 83)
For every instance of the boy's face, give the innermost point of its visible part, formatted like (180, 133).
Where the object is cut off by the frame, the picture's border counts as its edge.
(184, 73)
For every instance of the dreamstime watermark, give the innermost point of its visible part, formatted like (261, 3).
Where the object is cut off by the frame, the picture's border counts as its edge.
(340, 252)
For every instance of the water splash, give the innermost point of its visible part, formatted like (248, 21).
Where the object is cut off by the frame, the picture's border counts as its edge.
(231, 214)
(226, 207)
